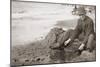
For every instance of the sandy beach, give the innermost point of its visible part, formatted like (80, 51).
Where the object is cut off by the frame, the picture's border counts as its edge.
(30, 24)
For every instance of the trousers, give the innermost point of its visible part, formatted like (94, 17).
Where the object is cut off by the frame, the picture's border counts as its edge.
(90, 44)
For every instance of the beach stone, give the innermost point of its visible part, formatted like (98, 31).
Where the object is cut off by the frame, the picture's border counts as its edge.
(52, 36)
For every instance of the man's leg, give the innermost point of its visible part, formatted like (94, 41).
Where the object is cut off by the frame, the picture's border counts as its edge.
(65, 36)
(90, 43)
(61, 39)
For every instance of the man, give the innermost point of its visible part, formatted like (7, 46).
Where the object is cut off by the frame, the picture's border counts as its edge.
(84, 31)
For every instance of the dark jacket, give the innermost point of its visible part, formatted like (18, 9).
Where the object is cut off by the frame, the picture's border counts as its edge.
(83, 29)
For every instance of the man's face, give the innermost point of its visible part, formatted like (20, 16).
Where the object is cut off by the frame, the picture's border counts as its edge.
(82, 16)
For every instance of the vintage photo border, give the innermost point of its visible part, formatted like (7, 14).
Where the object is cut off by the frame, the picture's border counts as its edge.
(48, 3)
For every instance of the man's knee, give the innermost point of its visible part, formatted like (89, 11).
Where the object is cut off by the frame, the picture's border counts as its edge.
(91, 37)
(90, 43)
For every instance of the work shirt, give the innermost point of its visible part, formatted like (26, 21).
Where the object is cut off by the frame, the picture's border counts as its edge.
(83, 29)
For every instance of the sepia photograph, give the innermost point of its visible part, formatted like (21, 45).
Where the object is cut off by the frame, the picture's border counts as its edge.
(52, 33)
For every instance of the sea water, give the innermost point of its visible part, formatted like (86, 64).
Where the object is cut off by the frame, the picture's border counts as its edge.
(31, 21)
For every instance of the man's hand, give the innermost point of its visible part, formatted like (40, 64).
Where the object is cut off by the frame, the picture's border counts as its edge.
(81, 46)
(67, 42)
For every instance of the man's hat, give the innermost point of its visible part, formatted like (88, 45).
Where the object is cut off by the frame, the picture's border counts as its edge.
(81, 10)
